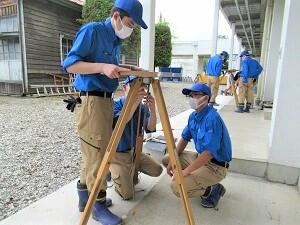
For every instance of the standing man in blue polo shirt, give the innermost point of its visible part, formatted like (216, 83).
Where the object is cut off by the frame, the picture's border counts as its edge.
(122, 166)
(213, 71)
(94, 58)
(205, 168)
(251, 70)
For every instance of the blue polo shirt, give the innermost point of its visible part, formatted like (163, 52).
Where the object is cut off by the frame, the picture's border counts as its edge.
(129, 135)
(214, 66)
(95, 42)
(250, 69)
(209, 133)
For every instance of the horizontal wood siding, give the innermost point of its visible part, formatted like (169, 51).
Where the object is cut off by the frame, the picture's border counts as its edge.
(44, 22)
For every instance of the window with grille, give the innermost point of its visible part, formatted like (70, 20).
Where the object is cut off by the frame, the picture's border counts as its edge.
(10, 49)
(66, 44)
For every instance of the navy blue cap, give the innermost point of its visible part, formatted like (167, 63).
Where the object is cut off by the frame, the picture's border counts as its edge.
(226, 55)
(197, 87)
(244, 53)
(129, 79)
(135, 10)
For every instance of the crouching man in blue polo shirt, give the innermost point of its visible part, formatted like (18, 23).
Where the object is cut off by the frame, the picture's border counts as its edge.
(204, 169)
(94, 58)
(122, 166)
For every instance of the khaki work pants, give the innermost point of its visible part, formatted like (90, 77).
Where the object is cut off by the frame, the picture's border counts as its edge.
(213, 84)
(233, 91)
(197, 182)
(122, 171)
(94, 119)
(245, 92)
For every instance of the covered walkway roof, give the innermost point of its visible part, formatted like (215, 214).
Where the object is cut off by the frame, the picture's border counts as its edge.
(248, 16)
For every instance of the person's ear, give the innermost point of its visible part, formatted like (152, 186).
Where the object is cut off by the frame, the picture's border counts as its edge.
(116, 15)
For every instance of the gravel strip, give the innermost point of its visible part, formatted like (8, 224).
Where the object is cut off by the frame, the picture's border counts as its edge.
(39, 148)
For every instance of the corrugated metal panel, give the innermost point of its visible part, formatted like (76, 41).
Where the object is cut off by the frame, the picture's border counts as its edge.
(9, 24)
(11, 88)
(11, 70)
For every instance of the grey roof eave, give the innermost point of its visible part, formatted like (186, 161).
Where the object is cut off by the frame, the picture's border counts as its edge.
(68, 4)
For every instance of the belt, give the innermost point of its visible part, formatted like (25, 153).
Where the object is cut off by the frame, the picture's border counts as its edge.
(125, 151)
(96, 93)
(224, 164)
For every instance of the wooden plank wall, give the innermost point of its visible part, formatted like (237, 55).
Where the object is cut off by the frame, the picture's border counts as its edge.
(44, 21)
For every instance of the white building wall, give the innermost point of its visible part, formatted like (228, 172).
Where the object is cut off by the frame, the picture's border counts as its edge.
(184, 54)
(285, 124)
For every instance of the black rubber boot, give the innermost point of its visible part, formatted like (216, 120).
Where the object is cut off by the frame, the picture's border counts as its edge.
(83, 196)
(247, 108)
(240, 109)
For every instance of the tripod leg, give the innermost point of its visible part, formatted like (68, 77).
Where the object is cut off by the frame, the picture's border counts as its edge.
(172, 151)
(111, 150)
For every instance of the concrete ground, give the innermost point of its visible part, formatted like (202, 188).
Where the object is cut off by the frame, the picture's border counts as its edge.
(249, 132)
(249, 200)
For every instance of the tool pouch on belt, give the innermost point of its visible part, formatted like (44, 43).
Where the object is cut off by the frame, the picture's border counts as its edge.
(71, 103)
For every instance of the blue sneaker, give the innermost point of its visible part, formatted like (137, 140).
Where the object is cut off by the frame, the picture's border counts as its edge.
(212, 200)
(102, 214)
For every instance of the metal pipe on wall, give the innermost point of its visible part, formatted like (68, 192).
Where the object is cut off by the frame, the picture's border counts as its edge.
(23, 46)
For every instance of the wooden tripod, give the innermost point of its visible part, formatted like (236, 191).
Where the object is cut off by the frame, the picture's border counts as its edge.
(143, 77)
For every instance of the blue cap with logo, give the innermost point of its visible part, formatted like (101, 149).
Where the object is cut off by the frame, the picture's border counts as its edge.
(197, 87)
(135, 10)
(244, 53)
(129, 79)
(226, 55)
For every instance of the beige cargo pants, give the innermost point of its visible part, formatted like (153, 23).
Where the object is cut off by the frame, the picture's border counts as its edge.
(122, 171)
(197, 182)
(94, 118)
(245, 92)
(213, 84)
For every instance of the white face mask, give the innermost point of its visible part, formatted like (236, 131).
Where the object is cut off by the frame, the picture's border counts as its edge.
(125, 31)
(199, 104)
(193, 103)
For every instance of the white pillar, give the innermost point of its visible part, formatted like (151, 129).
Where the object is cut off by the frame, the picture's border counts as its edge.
(148, 36)
(200, 65)
(195, 60)
(284, 135)
(215, 28)
(231, 45)
(273, 54)
(265, 47)
(239, 58)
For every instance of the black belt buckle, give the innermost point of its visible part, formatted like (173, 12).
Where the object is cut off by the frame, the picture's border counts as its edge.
(224, 164)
